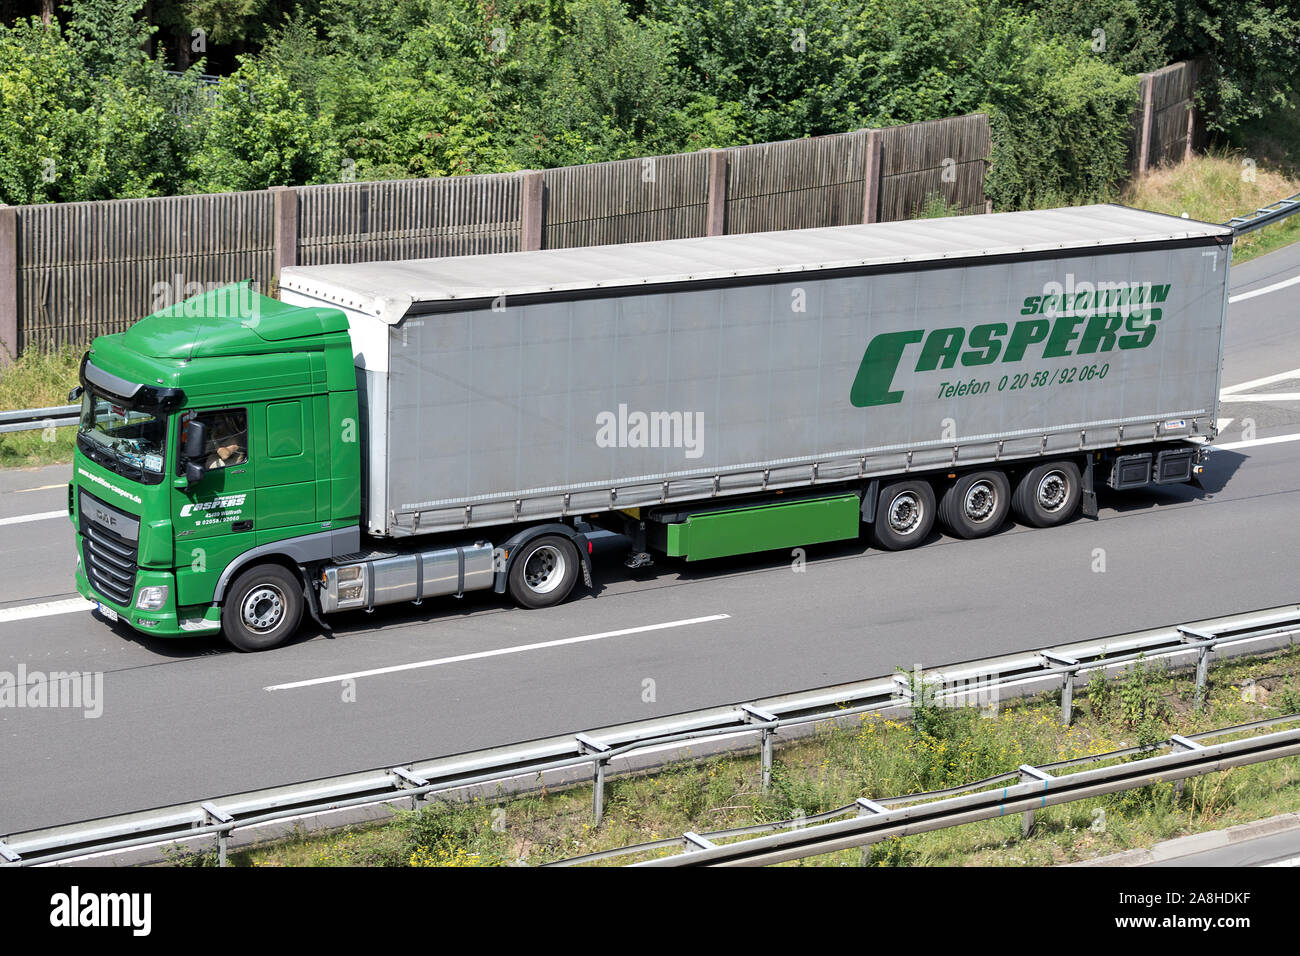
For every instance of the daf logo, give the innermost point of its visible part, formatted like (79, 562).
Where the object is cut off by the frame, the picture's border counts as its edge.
(104, 517)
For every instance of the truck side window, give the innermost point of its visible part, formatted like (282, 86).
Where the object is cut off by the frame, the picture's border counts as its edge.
(227, 442)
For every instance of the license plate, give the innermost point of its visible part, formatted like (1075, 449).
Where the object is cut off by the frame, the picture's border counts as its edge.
(107, 611)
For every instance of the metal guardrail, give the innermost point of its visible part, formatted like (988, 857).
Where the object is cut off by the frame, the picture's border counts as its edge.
(36, 419)
(1035, 788)
(1265, 215)
(1025, 672)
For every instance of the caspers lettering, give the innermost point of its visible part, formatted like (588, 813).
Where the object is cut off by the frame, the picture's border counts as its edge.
(1066, 334)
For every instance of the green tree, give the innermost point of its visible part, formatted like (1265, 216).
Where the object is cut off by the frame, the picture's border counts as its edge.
(1250, 50)
(1132, 35)
(110, 34)
(794, 69)
(605, 86)
(43, 129)
(259, 134)
(1061, 136)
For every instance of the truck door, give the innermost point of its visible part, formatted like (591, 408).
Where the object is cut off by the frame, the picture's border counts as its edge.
(213, 520)
(286, 469)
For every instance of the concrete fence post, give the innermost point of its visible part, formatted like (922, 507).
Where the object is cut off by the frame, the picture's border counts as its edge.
(1144, 137)
(531, 211)
(871, 177)
(8, 284)
(717, 202)
(285, 219)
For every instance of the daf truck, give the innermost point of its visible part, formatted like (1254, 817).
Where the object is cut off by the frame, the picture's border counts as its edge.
(403, 431)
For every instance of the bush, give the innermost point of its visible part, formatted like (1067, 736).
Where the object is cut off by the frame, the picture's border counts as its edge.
(1062, 137)
(1141, 702)
(451, 834)
(259, 134)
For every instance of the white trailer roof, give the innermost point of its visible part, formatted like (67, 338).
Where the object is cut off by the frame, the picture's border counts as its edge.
(386, 290)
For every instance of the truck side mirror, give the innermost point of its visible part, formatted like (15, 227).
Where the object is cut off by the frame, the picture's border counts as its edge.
(193, 472)
(75, 394)
(196, 439)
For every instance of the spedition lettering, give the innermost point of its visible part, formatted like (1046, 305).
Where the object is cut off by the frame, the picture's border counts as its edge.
(1080, 331)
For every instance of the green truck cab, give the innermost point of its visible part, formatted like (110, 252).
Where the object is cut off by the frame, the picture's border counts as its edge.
(164, 531)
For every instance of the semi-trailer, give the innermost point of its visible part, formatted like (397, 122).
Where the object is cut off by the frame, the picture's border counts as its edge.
(396, 431)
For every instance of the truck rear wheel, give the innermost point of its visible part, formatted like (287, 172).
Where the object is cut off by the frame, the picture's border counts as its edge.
(543, 572)
(1048, 494)
(976, 504)
(263, 608)
(904, 515)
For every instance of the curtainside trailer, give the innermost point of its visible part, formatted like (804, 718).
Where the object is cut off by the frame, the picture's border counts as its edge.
(396, 431)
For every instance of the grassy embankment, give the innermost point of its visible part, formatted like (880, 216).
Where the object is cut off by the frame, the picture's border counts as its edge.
(878, 758)
(38, 380)
(1211, 188)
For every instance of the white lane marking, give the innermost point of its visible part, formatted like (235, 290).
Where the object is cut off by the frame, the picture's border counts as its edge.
(1268, 288)
(1293, 861)
(1258, 382)
(1265, 397)
(45, 609)
(62, 484)
(42, 516)
(1223, 423)
(479, 655)
(1274, 440)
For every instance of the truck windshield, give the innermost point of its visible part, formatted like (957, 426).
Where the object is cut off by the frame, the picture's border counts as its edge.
(128, 441)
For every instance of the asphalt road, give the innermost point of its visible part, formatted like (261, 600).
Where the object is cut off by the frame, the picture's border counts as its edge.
(190, 719)
(1275, 849)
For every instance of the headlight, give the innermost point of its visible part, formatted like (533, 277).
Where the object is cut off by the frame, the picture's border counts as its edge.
(151, 598)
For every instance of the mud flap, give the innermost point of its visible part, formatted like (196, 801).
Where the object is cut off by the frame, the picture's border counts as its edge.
(1089, 497)
(313, 603)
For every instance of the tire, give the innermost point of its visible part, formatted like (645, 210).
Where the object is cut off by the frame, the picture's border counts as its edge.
(1048, 494)
(976, 504)
(543, 571)
(262, 608)
(904, 515)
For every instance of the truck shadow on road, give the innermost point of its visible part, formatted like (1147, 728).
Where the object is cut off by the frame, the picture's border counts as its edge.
(611, 577)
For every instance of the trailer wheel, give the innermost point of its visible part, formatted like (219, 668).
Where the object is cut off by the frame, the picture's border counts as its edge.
(544, 571)
(976, 504)
(263, 608)
(904, 515)
(1048, 494)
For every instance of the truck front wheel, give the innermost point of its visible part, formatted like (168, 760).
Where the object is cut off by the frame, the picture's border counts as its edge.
(1048, 494)
(543, 571)
(904, 515)
(263, 608)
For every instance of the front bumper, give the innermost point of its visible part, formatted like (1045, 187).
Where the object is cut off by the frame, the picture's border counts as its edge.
(166, 621)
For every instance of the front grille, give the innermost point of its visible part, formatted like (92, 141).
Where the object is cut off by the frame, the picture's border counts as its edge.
(110, 560)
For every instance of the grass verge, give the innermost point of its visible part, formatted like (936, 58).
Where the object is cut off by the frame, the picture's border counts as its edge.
(1214, 188)
(876, 758)
(38, 380)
